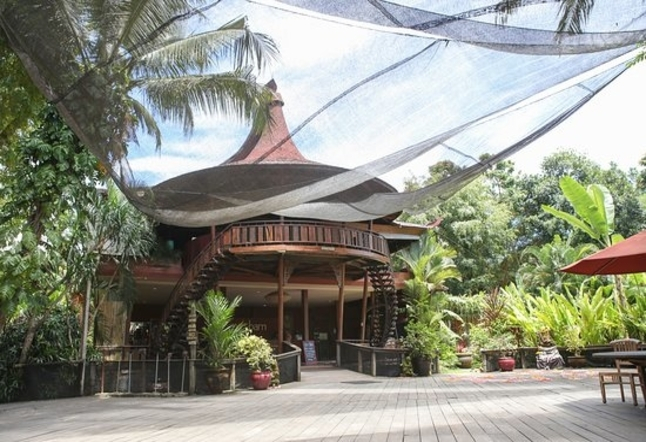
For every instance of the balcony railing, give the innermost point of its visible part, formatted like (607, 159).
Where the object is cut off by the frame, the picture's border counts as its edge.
(255, 234)
(266, 233)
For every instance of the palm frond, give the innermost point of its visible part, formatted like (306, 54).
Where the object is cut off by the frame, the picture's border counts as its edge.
(574, 14)
(234, 94)
(145, 120)
(233, 43)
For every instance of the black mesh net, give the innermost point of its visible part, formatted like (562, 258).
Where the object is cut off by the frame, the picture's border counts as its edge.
(370, 88)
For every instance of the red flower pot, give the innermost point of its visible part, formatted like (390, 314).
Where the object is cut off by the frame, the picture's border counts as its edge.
(506, 363)
(260, 380)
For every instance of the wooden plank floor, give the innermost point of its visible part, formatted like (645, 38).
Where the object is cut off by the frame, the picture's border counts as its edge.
(336, 405)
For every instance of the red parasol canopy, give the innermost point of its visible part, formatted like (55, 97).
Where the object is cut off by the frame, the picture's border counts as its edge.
(628, 256)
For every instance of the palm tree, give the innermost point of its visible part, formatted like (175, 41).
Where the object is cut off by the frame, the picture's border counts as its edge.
(430, 264)
(116, 232)
(572, 13)
(131, 61)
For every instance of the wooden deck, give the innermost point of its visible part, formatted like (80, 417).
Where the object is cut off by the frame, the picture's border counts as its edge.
(331, 404)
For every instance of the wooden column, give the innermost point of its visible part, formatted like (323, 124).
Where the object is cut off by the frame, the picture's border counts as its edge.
(339, 308)
(281, 293)
(364, 306)
(306, 314)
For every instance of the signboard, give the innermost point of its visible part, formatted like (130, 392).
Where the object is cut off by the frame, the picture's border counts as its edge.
(309, 352)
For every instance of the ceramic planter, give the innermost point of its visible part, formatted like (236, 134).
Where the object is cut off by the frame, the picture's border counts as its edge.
(506, 363)
(260, 380)
(465, 360)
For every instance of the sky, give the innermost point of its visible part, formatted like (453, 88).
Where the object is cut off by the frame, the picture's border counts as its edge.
(605, 129)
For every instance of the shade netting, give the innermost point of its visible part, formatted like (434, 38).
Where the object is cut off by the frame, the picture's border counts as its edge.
(370, 87)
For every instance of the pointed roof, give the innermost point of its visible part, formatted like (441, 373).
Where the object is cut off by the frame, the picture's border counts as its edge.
(266, 165)
(274, 144)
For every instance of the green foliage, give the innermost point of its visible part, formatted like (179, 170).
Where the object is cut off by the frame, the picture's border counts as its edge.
(57, 340)
(475, 222)
(430, 263)
(257, 352)
(595, 315)
(635, 312)
(541, 265)
(482, 337)
(219, 333)
(531, 192)
(423, 340)
(572, 339)
(407, 366)
(132, 51)
(20, 100)
(594, 208)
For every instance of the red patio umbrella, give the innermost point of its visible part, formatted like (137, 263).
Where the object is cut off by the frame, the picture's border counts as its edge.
(627, 256)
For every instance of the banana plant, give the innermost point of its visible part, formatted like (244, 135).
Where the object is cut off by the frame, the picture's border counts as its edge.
(594, 214)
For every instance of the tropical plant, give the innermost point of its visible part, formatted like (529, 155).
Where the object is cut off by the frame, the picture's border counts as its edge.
(143, 62)
(476, 223)
(485, 338)
(257, 352)
(20, 100)
(115, 233)
(56, 340)
(219, 333)
(594, 210)
(595, 215)
(541, 264)
(422, 339)
(596, 315)
(430, 263)
(48, 183)
(572, 339)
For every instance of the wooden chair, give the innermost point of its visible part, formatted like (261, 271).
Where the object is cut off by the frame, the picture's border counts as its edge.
(624, 372)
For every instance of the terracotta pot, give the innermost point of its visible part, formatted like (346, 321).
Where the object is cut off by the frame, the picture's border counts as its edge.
(260, 380)
(506, 363)
(465, 360)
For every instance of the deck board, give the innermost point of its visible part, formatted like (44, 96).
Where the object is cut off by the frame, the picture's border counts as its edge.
(334, 405)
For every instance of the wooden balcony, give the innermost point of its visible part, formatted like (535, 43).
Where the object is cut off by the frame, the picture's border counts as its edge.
(307, 237)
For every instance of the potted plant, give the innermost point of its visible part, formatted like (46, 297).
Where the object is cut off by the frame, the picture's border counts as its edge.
(423, 342)
(505, 346)
(463, 353)
(258, 354)
(219, 336)
(574, 344)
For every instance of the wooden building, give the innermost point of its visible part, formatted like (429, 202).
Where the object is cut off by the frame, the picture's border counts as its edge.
(308, 278)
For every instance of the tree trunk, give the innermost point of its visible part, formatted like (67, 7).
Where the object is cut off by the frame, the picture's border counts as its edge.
(32, 327)
(621, 294)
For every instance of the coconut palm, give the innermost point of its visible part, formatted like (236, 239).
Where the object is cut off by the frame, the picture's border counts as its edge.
(128, 62)
(572, 13)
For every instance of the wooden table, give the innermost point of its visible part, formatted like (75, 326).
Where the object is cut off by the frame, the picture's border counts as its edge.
(636, 357)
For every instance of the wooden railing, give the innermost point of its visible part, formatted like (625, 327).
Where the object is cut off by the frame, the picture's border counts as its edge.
(262, 233)
(253, 234)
